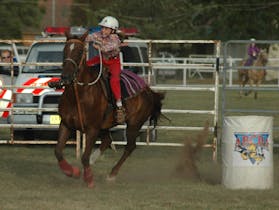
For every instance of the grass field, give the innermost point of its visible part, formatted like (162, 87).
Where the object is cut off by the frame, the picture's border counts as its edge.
(31, 179)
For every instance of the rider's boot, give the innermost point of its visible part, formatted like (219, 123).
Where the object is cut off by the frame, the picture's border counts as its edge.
(120, 113)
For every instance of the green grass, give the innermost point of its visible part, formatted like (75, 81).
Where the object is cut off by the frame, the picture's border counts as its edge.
(31, 179)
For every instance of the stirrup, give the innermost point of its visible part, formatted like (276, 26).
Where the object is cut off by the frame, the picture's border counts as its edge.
(120, 115)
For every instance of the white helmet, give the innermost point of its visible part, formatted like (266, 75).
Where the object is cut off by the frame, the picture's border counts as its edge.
(109, 22)
(252, 39)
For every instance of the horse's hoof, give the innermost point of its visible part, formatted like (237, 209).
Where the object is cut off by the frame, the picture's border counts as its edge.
(111, 178)
(66, 168)
(90, 184)
(76, 172)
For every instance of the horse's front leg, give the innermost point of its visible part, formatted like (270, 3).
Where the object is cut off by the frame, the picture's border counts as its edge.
(91, 136)
(106, 140)
(243, 79)
(63, 136)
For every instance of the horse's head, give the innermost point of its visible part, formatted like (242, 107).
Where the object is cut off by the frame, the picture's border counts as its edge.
(74, 55)
(263, 57)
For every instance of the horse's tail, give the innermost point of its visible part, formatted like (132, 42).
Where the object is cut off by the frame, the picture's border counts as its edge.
(157, 106)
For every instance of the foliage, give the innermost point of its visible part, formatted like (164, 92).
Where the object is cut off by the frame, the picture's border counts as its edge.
(195, 19)
(17, 16)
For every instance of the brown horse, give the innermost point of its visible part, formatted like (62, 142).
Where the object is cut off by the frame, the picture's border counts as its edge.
(84, 106)
(253, 75)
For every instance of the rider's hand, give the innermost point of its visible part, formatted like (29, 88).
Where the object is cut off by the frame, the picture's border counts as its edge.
(124, 44)
(97, 46)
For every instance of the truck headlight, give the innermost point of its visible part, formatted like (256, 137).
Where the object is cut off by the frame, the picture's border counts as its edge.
(2, 83)
(24, 98)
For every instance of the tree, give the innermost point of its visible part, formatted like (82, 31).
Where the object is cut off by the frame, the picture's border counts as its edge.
(17, 15)
(194, 19)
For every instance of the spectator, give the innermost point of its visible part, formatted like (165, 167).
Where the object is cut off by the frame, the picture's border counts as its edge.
(7, 57)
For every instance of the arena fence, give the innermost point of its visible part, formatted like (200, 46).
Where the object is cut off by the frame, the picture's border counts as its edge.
(208, 65)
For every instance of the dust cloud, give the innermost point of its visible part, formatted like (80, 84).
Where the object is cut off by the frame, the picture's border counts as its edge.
(191, 167)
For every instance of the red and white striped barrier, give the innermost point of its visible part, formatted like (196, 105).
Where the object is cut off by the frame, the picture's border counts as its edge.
(5, 102)
(36, 83)
(6, 95)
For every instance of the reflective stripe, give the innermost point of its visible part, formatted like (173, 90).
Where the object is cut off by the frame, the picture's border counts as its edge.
(5, 102)
(37, 82)
(6, 95)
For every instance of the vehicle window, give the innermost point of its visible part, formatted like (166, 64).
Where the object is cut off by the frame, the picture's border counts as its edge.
(144, 54)
(6, 70)
(44, 53)
(133, 55)
(50, 56)
(130, 54)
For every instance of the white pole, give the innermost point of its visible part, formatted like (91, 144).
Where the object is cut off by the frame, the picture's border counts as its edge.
(53, 13)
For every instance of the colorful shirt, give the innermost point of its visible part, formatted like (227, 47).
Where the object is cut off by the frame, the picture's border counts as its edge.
(110, 45)
(253, 51)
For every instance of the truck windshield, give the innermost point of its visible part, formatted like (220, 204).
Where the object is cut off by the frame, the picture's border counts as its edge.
(45, 53)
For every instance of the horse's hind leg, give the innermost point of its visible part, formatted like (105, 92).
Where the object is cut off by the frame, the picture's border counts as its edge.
(131, 133)
(243, 79)
(67, 169)
(106, 142)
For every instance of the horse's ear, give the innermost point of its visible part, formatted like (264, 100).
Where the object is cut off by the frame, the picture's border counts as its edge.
(83, 37)
(67, 34)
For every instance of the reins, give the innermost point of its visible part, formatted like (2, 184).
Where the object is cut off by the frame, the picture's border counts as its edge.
(76, 82)
(99, 74)
(77, 67)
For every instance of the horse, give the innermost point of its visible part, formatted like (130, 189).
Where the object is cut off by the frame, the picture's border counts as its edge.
(84, 106)
(253, 75)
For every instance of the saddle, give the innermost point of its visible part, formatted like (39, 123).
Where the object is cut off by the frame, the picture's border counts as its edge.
(131, 85)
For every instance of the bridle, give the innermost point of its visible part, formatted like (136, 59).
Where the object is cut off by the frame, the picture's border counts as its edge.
(78, 66)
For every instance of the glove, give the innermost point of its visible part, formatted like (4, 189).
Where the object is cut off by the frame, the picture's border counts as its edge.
(56, 84)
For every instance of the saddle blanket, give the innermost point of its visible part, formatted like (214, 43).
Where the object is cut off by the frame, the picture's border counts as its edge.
(131, 83)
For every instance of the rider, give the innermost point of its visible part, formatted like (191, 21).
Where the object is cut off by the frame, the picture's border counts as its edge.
(253, 52)
(108, 42)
